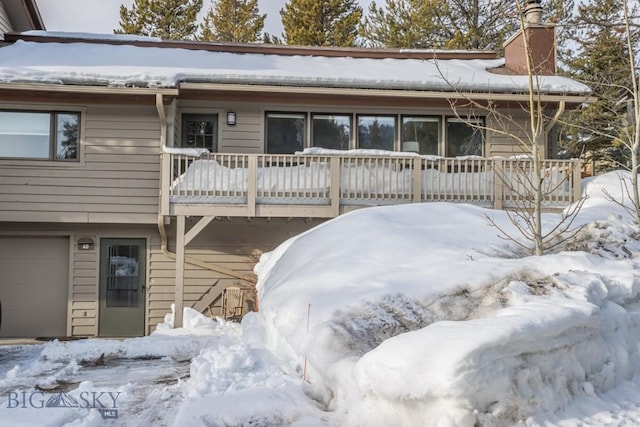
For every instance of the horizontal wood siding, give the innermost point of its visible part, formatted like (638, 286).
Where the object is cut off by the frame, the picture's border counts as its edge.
(234, 244)
(5, 25)
(115, 181)
(246, 136)
(84, 300)
(502, 138)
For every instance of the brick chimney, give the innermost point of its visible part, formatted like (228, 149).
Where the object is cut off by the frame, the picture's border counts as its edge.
(542, 43)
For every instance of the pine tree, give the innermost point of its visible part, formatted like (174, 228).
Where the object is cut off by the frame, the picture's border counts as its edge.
(236, 21)
(167, 19)
(600, 59)
(321, 22)
(404, 24)
(455, 24)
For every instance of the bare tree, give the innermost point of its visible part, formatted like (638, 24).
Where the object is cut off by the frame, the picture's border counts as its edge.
(623, 116)
(525, 180)
(630, 132)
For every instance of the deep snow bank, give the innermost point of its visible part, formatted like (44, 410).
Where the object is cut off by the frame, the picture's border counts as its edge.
(421, 313)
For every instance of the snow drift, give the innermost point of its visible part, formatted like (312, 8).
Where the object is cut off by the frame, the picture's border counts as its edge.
(421, 314)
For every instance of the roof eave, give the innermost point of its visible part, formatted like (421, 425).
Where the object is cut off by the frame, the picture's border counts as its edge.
(189, 87)
(576, 98)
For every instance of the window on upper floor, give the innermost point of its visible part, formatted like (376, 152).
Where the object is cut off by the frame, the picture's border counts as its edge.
(285, 133)
(420, 134)
(200, 131)
(377, 132)
(39, 135)
(331, 131)
(464, 137)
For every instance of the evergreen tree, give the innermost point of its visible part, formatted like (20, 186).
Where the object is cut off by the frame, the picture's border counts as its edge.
(455, 24)
(600, 59)
(321, 22)
(167, 19)
(236, 21)
(404, 24)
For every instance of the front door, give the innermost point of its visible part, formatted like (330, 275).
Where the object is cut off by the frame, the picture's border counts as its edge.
(122, 287)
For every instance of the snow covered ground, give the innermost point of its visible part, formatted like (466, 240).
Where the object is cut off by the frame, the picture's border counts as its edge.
(407, 315)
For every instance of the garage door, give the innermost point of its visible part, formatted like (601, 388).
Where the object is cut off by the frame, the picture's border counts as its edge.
(34, 274)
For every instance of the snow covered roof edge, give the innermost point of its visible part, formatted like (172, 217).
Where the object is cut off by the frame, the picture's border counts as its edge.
(133, 61)
(257, 48)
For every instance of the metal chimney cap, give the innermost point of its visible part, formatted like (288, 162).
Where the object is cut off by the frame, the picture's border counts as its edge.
(533, 12)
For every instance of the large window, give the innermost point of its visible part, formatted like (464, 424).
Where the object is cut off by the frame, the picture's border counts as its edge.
(464, 137)
(200, 131)
(377, 132)
(331, 131)
(420, 134)
(39, 135)
(285, 133)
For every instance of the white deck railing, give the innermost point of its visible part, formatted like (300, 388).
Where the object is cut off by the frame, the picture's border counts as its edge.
(323, 186)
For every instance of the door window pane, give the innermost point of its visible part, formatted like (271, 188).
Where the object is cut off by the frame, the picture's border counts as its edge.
(331, 131)
(421, 134)
(376, 132)
(122, 276)
(67, 125)
(200, 131)
(285, 133)
(464, 139)
(25, 135)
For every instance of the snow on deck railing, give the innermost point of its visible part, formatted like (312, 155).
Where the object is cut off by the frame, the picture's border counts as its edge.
(307, 179)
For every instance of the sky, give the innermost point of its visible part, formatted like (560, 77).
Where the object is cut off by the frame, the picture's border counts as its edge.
(102, 16)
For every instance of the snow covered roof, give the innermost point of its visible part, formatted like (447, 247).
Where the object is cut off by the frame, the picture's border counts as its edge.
(115, 61)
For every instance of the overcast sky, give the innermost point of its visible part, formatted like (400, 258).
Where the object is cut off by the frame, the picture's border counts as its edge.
(102, 16)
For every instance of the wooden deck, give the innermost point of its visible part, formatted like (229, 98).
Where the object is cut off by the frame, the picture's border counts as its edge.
(314, 186)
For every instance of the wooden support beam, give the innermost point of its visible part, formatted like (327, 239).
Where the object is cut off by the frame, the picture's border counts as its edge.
(334, 190)
(196, 229)
(179, 290)
(252, 185)
(416, 188)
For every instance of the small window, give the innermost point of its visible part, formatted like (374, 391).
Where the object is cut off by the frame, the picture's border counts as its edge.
(377, 132)
(420, 134)
(464, 137)
(285, 133)
(200, 131)
(331, 131)
(39, 135)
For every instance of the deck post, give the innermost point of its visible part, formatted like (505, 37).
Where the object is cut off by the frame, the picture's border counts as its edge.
(416, 187)
(165, 182)
(179, 290)
(577, 181)
(252, 185)
(334, 189)
(498, 184)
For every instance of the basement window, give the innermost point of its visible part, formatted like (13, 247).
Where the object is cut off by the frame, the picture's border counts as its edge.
(39, 135)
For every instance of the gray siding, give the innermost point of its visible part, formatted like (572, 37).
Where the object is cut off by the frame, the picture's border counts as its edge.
(116, 179)
(234, 244)
(506, 145)
(246, 137)
(5, 25)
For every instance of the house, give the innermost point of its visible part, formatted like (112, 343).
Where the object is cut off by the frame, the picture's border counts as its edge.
(137, 173)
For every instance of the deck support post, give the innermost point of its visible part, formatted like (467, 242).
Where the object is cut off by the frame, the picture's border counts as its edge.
(577, 182)
(334, 189)
(179, 289)
(416, 187)
(498, 184)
